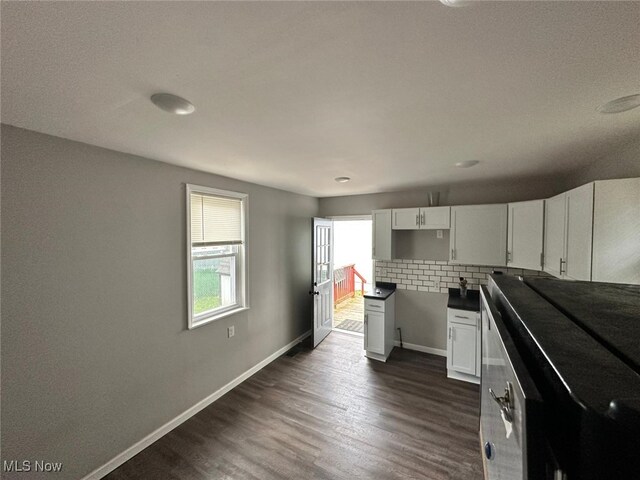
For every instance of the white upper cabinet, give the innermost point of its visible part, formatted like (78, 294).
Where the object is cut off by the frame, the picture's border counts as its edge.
(435, 218)
(568, 234)
(579, 232)
(427, 218)
(479, 235)
(554, 233)
(382, 235)
(525, 234)
(616, 231)
(406, 218)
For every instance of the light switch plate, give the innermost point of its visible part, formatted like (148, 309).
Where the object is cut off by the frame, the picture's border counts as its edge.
(438, 233)
(231, 331)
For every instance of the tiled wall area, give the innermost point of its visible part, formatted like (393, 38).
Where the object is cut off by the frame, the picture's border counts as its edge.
(423, 275)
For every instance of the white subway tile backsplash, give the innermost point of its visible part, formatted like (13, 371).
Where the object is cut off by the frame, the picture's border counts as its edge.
(421, 275)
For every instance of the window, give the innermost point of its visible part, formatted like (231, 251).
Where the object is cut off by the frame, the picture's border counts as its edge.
(216, 253)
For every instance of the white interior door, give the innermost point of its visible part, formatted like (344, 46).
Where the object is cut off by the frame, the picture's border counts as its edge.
(322, 279)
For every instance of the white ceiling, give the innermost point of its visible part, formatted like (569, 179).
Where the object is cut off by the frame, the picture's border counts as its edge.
(294, 94)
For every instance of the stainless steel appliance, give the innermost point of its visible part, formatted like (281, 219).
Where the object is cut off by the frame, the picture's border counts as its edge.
(560, 386)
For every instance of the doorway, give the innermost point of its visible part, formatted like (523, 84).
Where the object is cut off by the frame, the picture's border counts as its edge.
(352, 271)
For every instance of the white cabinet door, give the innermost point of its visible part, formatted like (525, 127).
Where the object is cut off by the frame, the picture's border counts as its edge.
(406, 219)
(554, 234)
(616, 231)
(479, 235)
(382, 235)
(374, 332)
(579, 232)
(478, 345)
(435, 218)
(524, 239)
(462, 344)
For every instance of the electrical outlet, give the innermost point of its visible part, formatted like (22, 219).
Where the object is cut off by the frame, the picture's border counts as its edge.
(436, 283)
(231, 331)
(438, 233)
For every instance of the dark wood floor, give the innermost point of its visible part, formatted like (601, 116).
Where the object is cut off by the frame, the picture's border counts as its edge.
(328, 414)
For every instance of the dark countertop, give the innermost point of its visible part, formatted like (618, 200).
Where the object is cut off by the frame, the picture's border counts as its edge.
(608, 312)
(471, 302)
(579, 331)
(381, 291)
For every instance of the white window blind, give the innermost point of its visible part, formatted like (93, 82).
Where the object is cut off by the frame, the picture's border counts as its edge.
(215, 220)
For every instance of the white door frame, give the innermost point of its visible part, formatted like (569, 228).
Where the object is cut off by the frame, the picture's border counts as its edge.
(338, 218)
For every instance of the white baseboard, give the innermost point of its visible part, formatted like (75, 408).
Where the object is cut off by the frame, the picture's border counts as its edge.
(421, 348)
(119, 459)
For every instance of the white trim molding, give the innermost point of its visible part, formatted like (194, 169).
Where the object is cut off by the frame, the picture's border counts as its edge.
(119, 459)
(422, 348)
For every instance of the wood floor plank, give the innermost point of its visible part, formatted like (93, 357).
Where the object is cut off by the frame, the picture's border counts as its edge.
(327, 414)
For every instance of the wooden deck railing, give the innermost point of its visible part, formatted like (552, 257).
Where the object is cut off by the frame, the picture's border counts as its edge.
(344, 283)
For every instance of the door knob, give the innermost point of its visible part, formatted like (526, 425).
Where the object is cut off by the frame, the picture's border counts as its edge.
(314, 293)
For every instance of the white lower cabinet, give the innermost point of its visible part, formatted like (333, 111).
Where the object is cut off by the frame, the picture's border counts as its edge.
(374, 332)
(463, 345)
(379, 327)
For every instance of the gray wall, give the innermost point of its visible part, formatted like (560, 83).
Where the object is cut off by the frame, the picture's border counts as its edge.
(422, 317)
(456, 194)
(622, 162)
(421, 244)
(95, 350)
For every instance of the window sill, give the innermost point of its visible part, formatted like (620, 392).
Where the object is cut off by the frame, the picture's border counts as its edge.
(206, 320)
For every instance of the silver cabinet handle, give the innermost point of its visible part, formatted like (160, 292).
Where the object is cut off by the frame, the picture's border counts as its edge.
(423, 218)
(509, 257)
(460, 316)
(505, 402)
(418, 219)
(449, 333)
(366, 332)
(565, 263)
(453, 254)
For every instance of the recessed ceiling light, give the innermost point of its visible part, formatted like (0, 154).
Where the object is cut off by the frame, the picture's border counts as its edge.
(172, 103)
(467, 163)
(342, 179)
(621, 104)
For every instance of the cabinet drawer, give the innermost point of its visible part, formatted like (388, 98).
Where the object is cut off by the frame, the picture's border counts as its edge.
(462, 316)
(374, 305)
